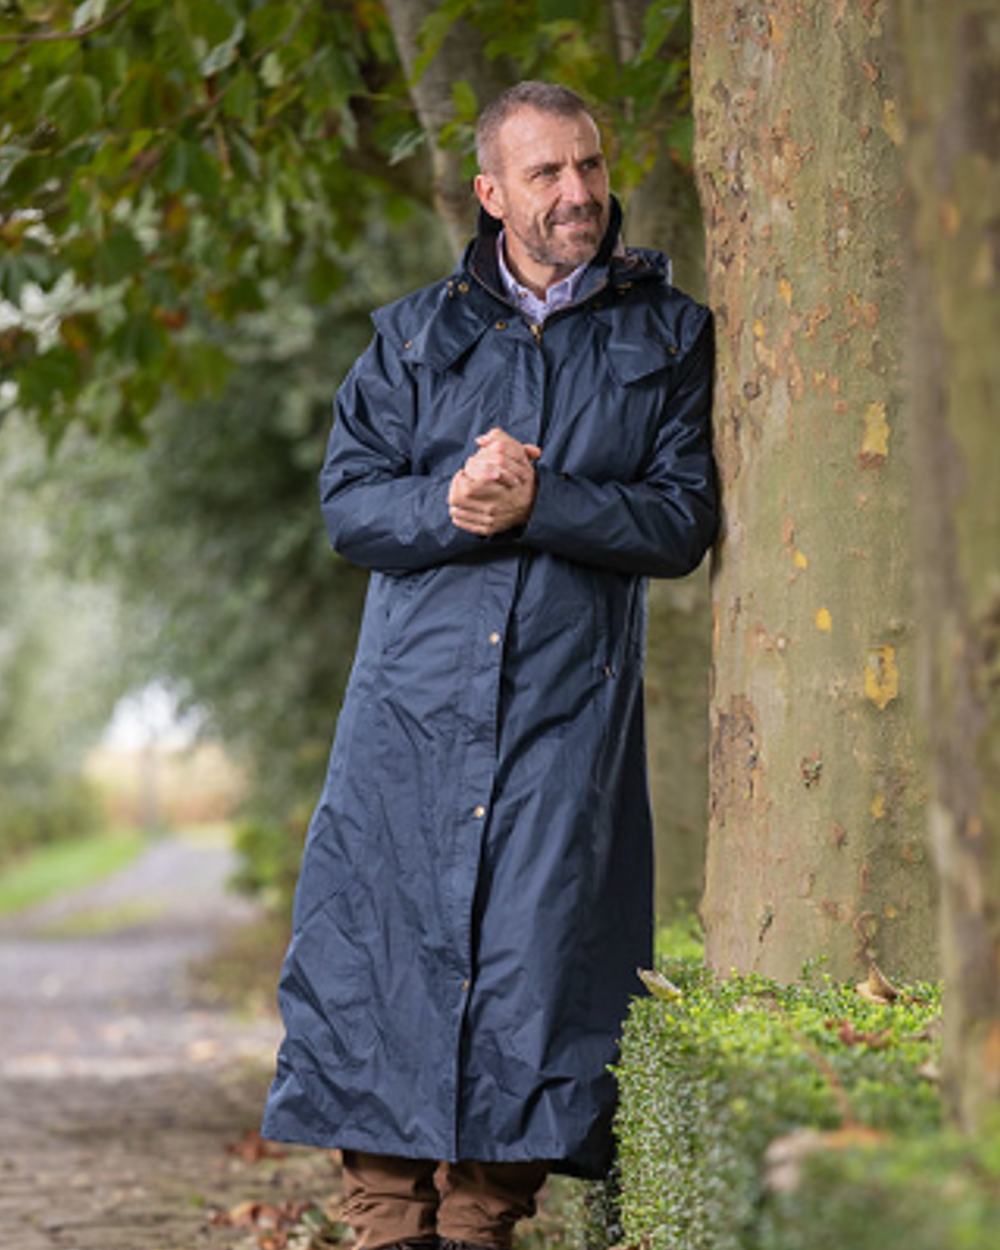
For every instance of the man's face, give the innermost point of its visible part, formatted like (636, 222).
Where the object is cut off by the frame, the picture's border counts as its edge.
(549, 186)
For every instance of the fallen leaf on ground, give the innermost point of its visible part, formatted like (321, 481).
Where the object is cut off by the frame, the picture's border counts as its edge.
(851, 1036)
(252, 1147)
(251, 1214)
(878, 988)
(658, 985)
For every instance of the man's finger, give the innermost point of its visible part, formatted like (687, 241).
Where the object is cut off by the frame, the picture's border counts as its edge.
(471, 521)
(479, 491)
(497, 435)
(492, 471)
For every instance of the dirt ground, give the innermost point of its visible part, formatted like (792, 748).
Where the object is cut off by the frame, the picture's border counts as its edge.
(128, 1103)
(130, 1094)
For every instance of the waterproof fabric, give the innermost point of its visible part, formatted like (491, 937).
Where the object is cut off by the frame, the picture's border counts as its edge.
(476, 888)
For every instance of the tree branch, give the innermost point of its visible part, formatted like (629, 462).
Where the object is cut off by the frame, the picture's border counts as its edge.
(459, 57)
(58, 36)
(626, 16)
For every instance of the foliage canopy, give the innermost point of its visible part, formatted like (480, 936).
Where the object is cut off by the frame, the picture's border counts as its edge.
(166, 167)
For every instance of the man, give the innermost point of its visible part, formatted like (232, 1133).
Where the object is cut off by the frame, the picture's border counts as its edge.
(518, 448)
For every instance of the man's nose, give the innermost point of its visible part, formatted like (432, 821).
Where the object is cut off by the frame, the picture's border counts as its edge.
(574, 187)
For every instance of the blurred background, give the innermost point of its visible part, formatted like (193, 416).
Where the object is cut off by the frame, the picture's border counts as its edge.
(201, 202)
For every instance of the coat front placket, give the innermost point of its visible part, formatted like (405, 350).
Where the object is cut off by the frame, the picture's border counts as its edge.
(516, 354)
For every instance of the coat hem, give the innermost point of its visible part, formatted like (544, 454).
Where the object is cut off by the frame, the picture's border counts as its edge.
(276, 1127)
(363, 1141)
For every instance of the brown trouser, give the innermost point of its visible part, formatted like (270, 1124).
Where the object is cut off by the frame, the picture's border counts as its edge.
(389, 1199)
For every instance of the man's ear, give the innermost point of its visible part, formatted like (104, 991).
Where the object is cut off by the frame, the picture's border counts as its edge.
(488, 193)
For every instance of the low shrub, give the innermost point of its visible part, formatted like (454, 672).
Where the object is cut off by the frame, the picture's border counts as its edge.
(44, 810)
(269, 863)
(935, 1191)
(711, 1077)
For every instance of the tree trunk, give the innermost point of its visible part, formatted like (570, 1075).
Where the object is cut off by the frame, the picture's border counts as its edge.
(816, 842)
(951, 64)
(460, 58)
(663, 212)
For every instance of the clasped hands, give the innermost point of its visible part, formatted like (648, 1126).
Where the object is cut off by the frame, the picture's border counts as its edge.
(495, 489)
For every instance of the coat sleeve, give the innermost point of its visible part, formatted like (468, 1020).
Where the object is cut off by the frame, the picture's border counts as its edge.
(378, 512)
(660, 525)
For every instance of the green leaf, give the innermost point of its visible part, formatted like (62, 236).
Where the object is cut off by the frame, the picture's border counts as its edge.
(149, 98)
(47, 376)
(140, 340)
(240, 100)
(348, 125)
(268, 22)
(224, 53)
(408, 142)
(271, 72)
(560, 10)
(22, 173)
(89, 11)
(188, 167)
(73, 104)
(208, 22)
(18, 268)
(658, 24)
(203, 369)
(324, 278)
(464, 99)
(245, 156)
(434, 31)
(239, 296)
(680, 137)
(119, 256)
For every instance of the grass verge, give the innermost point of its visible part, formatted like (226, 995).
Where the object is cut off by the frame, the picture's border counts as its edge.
(51, 870)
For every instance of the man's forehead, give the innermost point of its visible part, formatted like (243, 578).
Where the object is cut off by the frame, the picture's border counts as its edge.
(529, 135)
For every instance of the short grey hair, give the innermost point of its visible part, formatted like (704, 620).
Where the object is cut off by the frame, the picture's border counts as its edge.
(546, 97)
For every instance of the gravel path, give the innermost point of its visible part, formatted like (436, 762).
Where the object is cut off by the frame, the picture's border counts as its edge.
(121, 1096)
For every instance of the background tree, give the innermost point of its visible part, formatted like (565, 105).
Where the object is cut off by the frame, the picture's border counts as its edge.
(212, 538)
(162, 167)
(816, 842)
(951, 62)
(58, 638)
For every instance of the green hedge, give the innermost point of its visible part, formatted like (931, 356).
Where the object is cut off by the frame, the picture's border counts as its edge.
(708, 1080)
(929, 1192)
(40, 811)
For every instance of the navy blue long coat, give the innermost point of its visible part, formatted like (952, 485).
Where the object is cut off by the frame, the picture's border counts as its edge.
(476, 887)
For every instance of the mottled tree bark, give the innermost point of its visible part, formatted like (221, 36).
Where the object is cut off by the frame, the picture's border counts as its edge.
(816, 834)
(951, 65)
